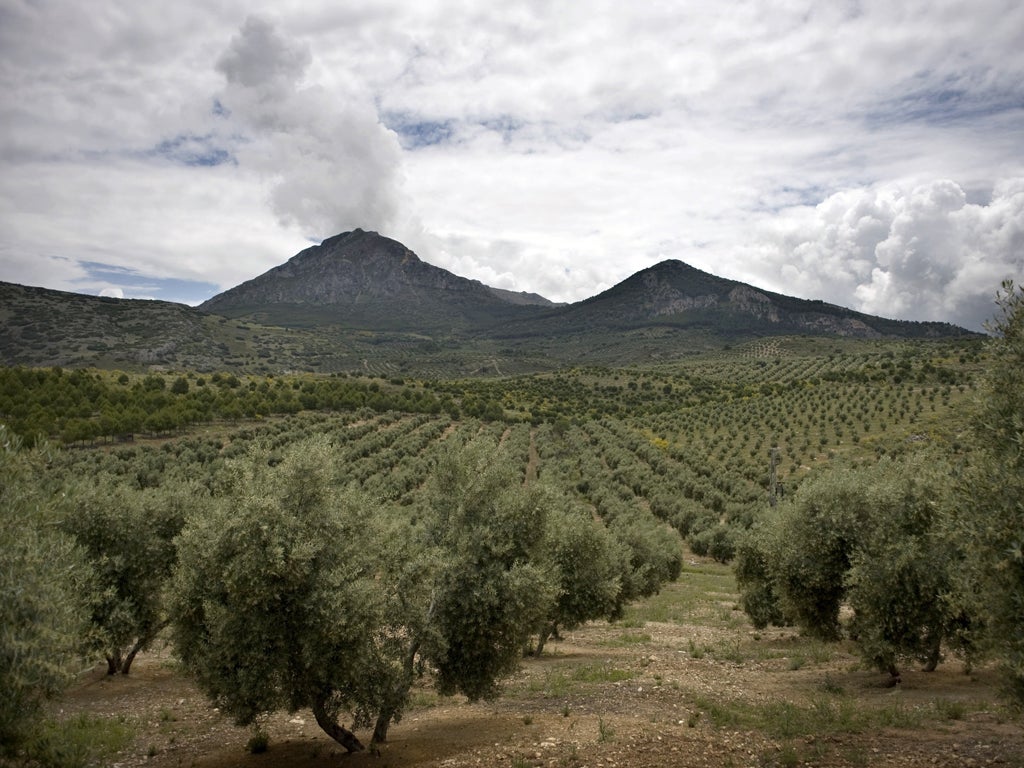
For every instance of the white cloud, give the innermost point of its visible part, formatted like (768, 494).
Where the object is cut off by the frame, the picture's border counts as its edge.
(334, 165)
(923, 253)
(813, 148)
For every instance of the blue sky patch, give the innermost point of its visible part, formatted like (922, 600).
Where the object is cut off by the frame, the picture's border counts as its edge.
(416, 134)
(944, 104)
(192, 150)
(135, 285)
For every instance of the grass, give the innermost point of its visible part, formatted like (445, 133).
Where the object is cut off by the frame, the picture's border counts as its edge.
(703, 595)
(258, 743)
(627, 639)
(826, 715)
(78, 742)
(423, 698)
(560, 682)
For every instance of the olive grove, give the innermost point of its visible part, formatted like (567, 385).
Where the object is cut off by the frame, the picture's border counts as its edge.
(293, 590)
(926, 550)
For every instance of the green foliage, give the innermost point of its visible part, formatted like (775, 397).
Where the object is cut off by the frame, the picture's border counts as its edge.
(589, 566)
(43, 579)
(874, 537)
(655, 554)
(493, 588)
(128, 536)
(291, 592)
(757, 592)
(808, 543)
(78, 742)
(992, 506)
(903, 568)
(275, 601)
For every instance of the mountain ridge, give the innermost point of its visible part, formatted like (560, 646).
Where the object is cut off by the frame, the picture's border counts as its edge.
(363, 279)
(359, 298)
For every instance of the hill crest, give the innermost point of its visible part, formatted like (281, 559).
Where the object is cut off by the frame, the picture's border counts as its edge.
(359, 298)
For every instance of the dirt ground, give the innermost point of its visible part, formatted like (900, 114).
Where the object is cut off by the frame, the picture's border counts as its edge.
(652, 695)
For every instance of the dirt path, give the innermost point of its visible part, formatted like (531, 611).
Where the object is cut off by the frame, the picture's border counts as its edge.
(696, 687)
(605, 696)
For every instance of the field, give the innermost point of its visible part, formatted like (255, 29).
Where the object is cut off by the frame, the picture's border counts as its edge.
(702, 446)
(683, 680)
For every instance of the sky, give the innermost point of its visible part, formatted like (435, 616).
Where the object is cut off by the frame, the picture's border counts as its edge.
(869, 154)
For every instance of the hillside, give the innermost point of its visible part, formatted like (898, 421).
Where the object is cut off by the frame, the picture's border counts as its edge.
(363, 280)
(675, 294)
(360, 302)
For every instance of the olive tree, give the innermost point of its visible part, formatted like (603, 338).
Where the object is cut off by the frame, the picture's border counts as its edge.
(901, 574)
(275, 601)
(43, 580)
(655, 554)
(873, 538)
(589, 567)
(758, 597)
(128, 535)
(481, 580)
(991, 517)
(291, 592)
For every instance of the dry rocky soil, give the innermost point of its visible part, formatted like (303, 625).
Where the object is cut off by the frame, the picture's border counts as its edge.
(683, 681)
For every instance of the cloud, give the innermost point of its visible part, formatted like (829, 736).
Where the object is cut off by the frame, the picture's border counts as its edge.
(260, 57)
(548, 147)
(923, 253)
(332, 165)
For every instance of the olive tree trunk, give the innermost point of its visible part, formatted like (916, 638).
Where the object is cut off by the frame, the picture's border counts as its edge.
(329, 724)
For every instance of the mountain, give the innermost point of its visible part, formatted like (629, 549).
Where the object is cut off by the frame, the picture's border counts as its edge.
(364, 280)
(360, 302)
(674, 294)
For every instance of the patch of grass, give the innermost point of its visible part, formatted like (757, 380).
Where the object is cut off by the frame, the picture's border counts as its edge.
(696, 598)
(627, 639)
(560, 682)
(601, 673)
(730, 650)
(831, 685)
(897, 715)
(818, 651)
(79, 742)
(605, 732)
(950, 710)
(822, 715)
(258, 743)
(423, 698)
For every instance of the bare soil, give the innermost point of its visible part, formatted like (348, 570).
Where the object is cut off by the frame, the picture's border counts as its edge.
(652, 695)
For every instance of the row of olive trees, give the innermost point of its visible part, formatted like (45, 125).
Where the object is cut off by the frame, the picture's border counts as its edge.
(285, 585)
(925, 554)
(872, 538)
(293, 591)
(83, 569)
